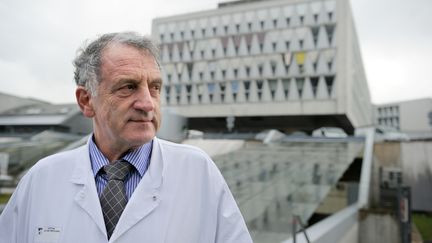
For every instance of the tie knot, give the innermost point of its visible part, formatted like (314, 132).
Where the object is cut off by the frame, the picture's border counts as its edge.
(118, 170)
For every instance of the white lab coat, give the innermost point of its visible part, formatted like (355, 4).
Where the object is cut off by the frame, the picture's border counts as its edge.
(181, 198)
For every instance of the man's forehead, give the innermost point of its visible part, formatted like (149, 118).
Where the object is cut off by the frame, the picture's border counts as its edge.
(125, 51)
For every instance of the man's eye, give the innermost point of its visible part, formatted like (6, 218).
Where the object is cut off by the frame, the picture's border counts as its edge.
(156, 87)
(126, 89)
(129, 86)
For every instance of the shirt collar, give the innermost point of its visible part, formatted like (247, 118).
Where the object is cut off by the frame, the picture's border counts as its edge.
(139, 158)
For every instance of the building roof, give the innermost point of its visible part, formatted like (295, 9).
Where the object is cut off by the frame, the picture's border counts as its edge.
(39, 114)
(8, 102)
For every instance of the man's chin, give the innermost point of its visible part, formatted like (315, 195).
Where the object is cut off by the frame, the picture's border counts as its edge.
(140, 139)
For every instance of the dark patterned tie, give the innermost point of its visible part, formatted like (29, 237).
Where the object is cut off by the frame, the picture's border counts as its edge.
(113, 199)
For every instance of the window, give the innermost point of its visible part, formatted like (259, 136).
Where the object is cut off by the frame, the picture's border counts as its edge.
(247, 70)
(330, 64)
(329, 82)
(262, 24)
(235, 72)
(273, 85)
(301, 19)
(162, 37)
(223, 74)
(286, 84)
(250, 26)
(316, 18)
(247, 86)
(234, 87)
(275, 23)
(213, 51)
(330, 15)
(172, 36)
(202, 54)
(330, 31)
(301, 68)
(300, 83)
(260, 69)
(301, 44)
(214, 30)
(287, 45)
(188, 89)
(288, 20)
(193, 33)
(167, 92)
(314, 82)
(238, 28)
(203, 32)
(226, 29)
(430, 118)
(273, 68)
(182, 34)
(212, 75)
(315, 31)
(274, 46)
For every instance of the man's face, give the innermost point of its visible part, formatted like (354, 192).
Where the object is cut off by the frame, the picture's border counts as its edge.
(127, 104)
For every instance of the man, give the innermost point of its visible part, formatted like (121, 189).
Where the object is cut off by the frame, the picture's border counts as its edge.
(125, 185)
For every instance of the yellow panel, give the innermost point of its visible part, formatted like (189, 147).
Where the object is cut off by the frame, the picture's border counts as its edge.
(300, 57)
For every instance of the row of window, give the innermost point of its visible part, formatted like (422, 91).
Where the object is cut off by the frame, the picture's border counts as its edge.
(237, 28)
(211, 75)
(247, 91)
(389, 121)
(388, 111)
(247, 45)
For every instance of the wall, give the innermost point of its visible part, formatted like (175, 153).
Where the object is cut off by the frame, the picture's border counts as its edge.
(378, 227)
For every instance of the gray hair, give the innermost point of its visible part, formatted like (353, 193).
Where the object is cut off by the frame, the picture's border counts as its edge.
(88, 60)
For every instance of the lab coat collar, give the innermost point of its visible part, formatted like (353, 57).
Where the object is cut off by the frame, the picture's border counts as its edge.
(144, 200)
(87, 197)
(146, 196)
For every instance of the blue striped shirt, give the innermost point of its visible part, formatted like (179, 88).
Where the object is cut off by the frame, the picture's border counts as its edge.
(139, 158)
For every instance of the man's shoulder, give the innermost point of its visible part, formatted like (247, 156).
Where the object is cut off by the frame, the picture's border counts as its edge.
(60, 159)
(168, 146)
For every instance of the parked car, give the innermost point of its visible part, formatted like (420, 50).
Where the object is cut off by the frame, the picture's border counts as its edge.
(384, 133)
(329, 132)
(390, 134)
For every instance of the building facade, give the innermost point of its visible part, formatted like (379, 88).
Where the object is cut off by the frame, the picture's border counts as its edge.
(284, 64)
(412, 117)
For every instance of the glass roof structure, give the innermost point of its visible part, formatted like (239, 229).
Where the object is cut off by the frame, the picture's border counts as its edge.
(271, 183)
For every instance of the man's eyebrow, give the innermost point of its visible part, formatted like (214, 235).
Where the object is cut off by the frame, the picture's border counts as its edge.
(156, 80)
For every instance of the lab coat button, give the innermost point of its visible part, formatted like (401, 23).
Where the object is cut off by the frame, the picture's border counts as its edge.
(154, 198)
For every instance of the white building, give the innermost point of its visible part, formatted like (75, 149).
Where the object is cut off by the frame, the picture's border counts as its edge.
(412, 116)
(285, 64)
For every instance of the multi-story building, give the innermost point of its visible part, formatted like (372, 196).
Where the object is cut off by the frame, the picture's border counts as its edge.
(412, 116)
(285, 64)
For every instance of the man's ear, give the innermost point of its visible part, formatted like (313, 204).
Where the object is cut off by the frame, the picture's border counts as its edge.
(83, 98)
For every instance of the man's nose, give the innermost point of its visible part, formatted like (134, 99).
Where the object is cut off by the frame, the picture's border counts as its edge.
(143, 100)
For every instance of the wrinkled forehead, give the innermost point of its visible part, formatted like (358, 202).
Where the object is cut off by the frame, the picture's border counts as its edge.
(126, 51)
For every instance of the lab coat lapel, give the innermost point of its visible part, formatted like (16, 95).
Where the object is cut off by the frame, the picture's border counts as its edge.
(145, 197)
(87, 197)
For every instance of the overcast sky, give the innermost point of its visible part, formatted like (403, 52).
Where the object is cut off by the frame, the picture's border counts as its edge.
(39, 40)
